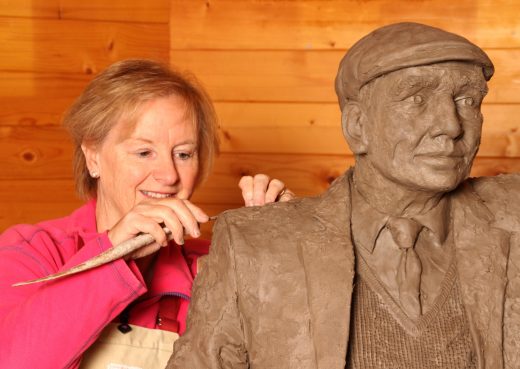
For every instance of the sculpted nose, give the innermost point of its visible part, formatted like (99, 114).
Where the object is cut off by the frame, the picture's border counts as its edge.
(447, 120)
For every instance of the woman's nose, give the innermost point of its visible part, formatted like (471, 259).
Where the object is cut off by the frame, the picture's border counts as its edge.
(165, 171)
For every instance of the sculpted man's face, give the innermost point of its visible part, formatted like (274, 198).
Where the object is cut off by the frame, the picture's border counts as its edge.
(424, 124)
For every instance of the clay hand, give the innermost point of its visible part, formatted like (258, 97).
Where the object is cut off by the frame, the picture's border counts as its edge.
(179, 216)
(260, 190)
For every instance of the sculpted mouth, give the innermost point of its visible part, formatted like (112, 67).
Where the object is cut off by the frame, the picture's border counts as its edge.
(440, 160)
(441, 157)
(157, 195)
(440, 154)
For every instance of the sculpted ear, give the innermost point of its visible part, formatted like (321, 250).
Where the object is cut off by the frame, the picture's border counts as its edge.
(353, 122)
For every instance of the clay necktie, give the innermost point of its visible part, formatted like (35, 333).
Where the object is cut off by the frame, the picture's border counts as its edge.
(405, 233)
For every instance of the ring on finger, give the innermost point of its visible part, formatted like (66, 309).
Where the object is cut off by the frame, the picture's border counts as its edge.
(282, 192)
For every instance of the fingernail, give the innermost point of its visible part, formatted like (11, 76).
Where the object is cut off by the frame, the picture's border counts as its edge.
(196, 233)
(181, 241)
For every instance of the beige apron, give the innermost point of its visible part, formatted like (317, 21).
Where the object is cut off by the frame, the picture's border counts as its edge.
(141, 348)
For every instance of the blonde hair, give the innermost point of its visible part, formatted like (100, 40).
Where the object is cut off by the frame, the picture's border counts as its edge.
(118, 93)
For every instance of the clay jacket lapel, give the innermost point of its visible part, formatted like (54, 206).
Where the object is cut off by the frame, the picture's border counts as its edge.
(327, 255)
(481, 256)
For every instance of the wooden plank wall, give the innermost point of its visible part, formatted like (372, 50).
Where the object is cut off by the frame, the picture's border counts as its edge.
(49, 50)
(268, 65)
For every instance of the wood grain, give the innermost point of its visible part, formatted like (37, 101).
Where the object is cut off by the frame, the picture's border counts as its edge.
(332, 24)
(305, 76)
(35, 110)
(31, 201)
(34, 152)
(156, 11)
(40, 86)
(74, 46)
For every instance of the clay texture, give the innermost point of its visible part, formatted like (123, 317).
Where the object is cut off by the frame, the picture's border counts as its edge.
(278, 287)
(283, 300)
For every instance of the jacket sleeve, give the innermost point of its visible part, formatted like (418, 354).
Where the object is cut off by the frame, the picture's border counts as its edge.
(501, 194)
(512, 306)
(214, 337)
(49, 325)
(511, 206)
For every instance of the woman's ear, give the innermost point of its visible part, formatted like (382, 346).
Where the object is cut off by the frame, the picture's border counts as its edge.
(353, 123)
(92, 158)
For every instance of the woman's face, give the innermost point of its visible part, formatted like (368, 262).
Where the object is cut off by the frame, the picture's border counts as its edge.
(155, 160)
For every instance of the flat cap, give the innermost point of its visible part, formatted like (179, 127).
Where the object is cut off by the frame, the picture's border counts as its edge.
(402, 45)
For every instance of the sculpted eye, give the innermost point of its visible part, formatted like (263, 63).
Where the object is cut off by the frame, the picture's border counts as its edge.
(465, 101)
(417, 99)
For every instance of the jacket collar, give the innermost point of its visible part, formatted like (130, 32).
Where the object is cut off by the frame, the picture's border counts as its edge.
(327, 256)
(367, 222)
(83, 221)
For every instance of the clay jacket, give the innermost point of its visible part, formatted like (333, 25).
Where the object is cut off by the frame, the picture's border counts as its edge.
(50, 325)
(276, 288)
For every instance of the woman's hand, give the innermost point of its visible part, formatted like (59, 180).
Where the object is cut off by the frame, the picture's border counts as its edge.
(260, 190)
(182, 217)
(179, 216)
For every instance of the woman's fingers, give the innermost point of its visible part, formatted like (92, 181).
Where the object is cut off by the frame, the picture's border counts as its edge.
(134, 223)
(176, 228)
(246, 185)
(260, 184)
(260, 190)
(179, 216)
(197, 212)
(180, 219)
(254, 189)
(275, 187)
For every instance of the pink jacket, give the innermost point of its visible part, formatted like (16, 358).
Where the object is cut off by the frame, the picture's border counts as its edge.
(50, 325)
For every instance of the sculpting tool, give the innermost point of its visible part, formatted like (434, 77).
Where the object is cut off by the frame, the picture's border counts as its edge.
(120, 251)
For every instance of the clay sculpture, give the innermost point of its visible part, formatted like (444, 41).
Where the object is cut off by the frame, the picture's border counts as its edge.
(404, 262)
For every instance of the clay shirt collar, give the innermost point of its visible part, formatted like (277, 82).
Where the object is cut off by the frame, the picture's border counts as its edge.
(367, 222)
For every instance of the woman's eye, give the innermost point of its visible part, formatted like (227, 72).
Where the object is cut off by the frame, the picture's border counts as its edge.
(183, 155)
(465, 101)
(144, 153)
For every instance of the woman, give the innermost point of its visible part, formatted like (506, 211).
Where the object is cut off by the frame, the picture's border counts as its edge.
(144, 138)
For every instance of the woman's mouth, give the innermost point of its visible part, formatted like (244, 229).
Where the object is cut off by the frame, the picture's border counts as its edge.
(157, 195)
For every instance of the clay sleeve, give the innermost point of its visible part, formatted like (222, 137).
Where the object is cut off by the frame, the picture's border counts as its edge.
(512, 307)
(511, 206)
(214, 337)
(501, 194)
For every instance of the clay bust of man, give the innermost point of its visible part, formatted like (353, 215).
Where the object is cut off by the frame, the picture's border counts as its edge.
(403, 262)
